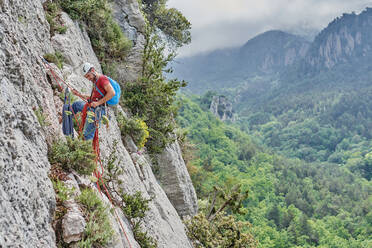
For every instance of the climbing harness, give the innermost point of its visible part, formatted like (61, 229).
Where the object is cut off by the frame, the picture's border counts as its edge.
(95, 142)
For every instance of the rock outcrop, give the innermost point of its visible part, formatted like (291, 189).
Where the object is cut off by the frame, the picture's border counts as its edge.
(27, 197)
(131, 21)
(222, 108)
(176, 182)
(345, 40)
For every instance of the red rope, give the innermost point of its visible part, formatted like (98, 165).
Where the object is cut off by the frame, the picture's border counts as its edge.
(96, 173)
(57, 78)
(53, 74)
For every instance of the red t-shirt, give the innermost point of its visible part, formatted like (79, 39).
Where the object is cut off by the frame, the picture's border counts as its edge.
(101, 83)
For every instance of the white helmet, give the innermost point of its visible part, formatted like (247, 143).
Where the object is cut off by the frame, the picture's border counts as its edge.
(86, 67)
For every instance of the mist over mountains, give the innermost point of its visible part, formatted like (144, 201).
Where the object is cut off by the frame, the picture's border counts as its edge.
(310, 100)
(346, 41)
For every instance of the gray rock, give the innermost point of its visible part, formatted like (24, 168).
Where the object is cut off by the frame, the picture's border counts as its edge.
(75, 45)
(131, 21)
(73, 225)
(27, 197)
(222, 108)
(176, 182)
(73, 222)
(162, 221)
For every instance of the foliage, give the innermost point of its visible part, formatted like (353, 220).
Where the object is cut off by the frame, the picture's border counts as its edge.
(56, 58)
(134, 206)
(152, 98)
(291, 203)
(62, 192)
(57, 176)
(73, 154)
(170, 21)
(41, 118)
(53, 16)
(143, 239)
(108, 41)
(136, 128)
(98, 231)
(223, 231)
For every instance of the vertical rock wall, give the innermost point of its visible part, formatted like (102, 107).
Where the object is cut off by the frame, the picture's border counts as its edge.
(27, 197)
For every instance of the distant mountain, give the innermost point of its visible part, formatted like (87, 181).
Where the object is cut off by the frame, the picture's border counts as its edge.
(265, 54)
(307, 100)
(347, 39)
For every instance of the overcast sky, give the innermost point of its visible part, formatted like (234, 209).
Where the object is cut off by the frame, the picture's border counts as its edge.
(225, 23)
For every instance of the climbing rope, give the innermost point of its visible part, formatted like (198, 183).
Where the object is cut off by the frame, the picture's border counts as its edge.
(98, 174)
(57, 78)
(95, 143)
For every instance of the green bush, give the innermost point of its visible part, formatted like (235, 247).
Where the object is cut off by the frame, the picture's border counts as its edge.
(223, 231)
(98, 231)
(41, 118)
(143, 239)
(53, 16)
(62, 192)
(73, 154)
(108, 41)
(152, 97)
(133, 206)
(56, 58)
(136, 128)
(170, 21)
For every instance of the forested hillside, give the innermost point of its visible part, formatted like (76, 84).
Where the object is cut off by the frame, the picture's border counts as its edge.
(317, 108)
(290, 203)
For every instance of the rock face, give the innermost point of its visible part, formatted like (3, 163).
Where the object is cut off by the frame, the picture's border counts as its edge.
(27, 197)
(176, 181)
(222, 108)
(73, 222)
(272, 51)
(346, 39)
(129, 18)
(264, 55)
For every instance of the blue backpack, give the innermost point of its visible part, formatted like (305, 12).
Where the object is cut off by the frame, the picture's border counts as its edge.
(116, 98)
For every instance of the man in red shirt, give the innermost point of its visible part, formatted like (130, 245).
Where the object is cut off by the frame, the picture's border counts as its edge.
(101, 93)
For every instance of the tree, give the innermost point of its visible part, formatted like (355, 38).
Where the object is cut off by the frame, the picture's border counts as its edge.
(170, 22)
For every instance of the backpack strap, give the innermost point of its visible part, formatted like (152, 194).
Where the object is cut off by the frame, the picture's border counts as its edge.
(99, 91)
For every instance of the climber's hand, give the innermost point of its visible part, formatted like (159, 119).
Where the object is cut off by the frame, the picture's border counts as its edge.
(94, 104)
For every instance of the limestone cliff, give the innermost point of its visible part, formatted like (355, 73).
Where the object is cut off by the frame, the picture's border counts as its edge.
(27, 202)
(346, 39)
(222, 108)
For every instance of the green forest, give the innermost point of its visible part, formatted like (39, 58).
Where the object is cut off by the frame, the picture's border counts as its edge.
(290, 202)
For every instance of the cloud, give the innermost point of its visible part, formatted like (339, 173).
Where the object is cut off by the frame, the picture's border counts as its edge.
(220, 23)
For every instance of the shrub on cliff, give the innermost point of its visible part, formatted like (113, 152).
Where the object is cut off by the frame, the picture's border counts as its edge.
(108, 41)
(223, 231)
(136, 128)
(98, 231)
(169, 21)
(152, 97)
(73, 154)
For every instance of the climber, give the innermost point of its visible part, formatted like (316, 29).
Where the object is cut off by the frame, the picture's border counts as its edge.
(102, 92)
